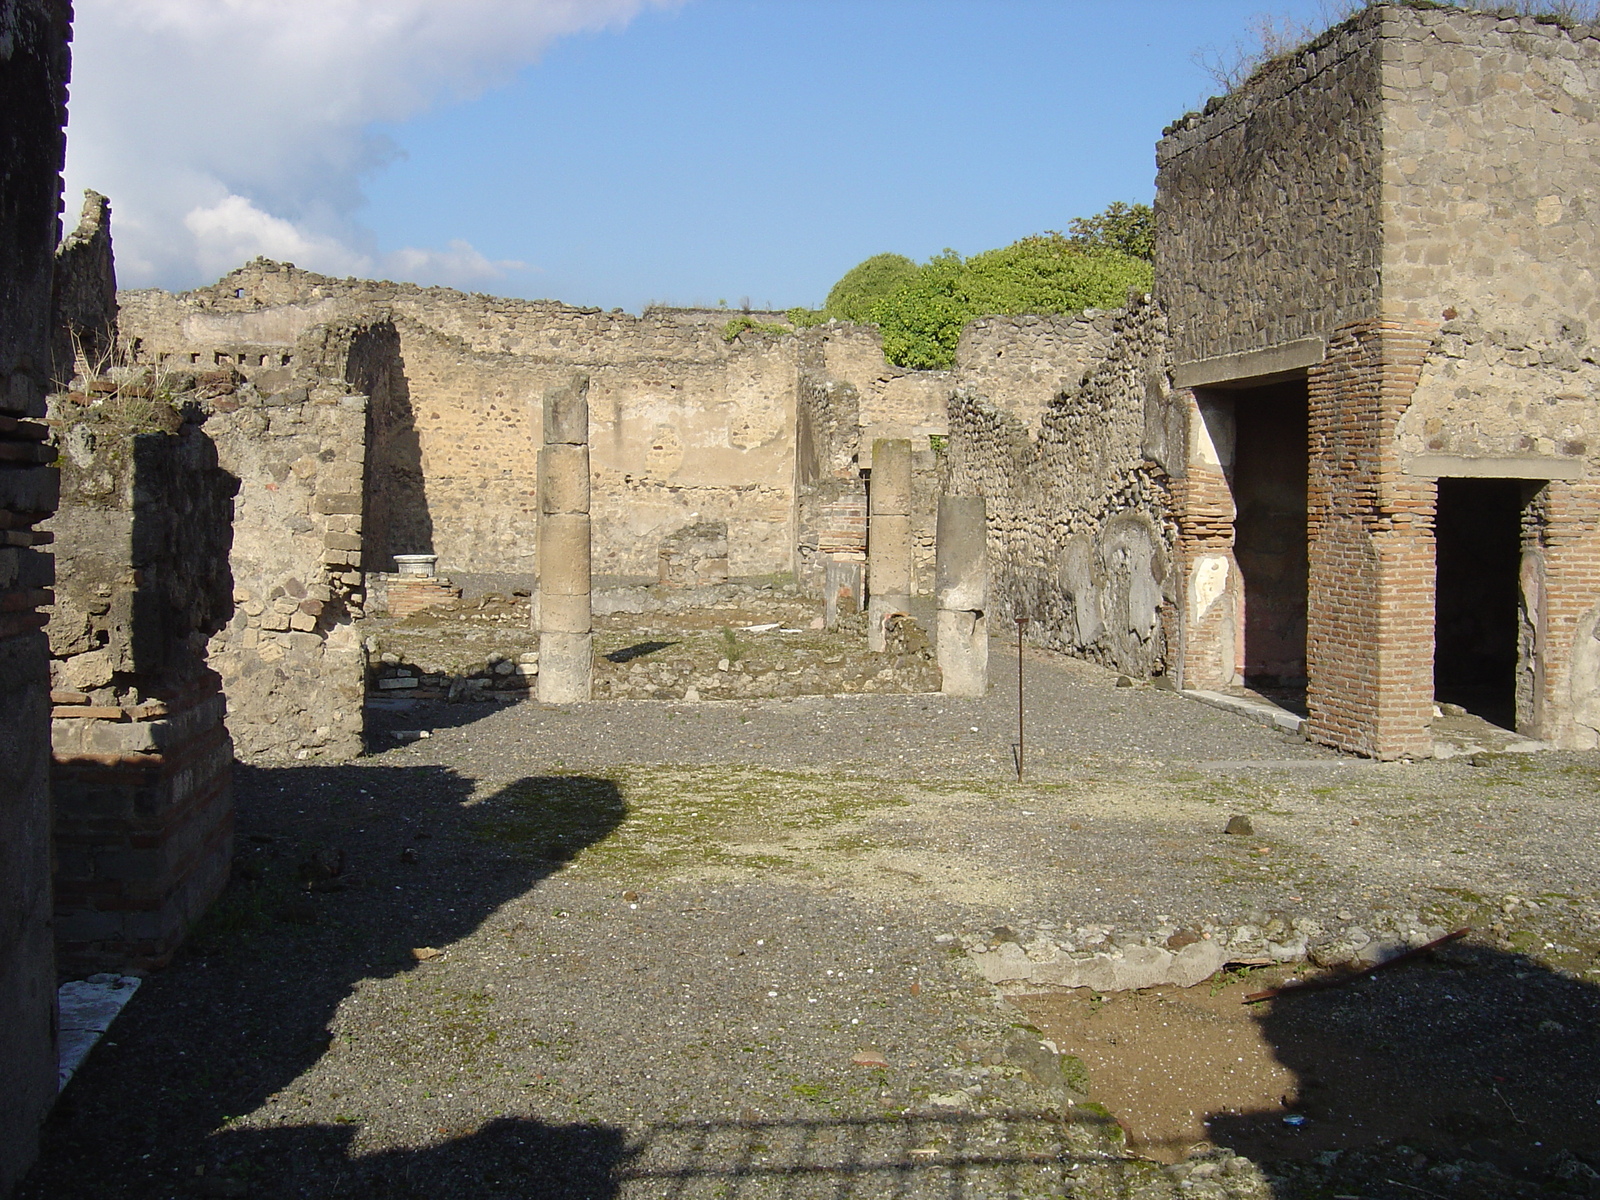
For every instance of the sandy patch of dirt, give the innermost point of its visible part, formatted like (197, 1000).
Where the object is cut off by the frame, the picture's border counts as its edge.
(1166, 1059)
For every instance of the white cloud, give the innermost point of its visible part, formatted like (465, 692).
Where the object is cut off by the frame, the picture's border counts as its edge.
(223, 129)
(234, 230)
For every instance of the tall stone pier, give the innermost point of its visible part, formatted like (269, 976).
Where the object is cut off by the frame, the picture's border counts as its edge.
(33, 81)
(889, 563)
(563, 617)
(961, 576)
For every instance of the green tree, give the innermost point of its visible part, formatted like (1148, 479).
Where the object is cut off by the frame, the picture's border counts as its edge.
(1130, 228)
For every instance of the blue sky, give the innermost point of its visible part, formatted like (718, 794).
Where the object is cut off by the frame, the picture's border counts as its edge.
(618, 152)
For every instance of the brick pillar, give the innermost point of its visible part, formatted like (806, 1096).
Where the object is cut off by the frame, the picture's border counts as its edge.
(842, 543)
(142, 761)
(33, 80)
(1369, 637)
(143, 825)
(563, 612)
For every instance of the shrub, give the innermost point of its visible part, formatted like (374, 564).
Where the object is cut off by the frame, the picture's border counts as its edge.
(865, 284)
(922, 319)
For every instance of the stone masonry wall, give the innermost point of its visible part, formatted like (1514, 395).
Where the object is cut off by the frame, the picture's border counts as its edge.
(850, 396)
(33, 96)
(1268, 204)
(687, 426)
(142, 760)
(1492, 242)
(1080, 526)
(290, 660)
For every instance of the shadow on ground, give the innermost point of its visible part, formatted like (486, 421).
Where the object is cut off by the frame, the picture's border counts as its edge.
(637, 650)
(949, 1156)
(391, 723)
(1471, 1073)
(339, 874)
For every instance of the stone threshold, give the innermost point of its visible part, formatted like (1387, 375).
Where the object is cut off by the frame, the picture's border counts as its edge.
(87, 1008)
(1261, 712)
(1019, 964)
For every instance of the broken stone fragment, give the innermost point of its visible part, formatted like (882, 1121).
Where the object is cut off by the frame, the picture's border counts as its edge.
(1047, 964)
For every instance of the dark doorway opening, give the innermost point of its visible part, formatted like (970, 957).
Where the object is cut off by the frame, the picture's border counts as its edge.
(1478, 533)
(1271, 460)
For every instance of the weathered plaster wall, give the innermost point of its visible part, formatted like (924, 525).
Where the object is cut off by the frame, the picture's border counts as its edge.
(1268, 205)
(1080, 527)
(33, 96)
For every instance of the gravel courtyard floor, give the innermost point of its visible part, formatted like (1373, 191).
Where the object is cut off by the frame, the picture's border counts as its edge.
(643, 949)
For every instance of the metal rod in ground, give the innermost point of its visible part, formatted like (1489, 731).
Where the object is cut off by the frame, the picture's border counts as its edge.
(1021, 622)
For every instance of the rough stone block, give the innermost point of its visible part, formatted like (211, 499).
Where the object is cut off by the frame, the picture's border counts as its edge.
(564, 479)
(889, 489)
(566, 413)
(962, 564)
(564, 555)
(85, 672)
(339, 502)
(565, 614)
(566, 667)
(30, 489)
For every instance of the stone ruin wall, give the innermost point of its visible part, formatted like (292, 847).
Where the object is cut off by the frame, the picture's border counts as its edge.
(33, 113)
(1081, 532)
(290, 659)
(770, 434)
(291, 427)
(1279, 181)
(850, 396)
(686, 427)
(1491, 254)
(140, 780)
(1405, 206)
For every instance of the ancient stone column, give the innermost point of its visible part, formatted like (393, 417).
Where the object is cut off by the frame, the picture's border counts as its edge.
(888, 535)
(566, 652)
(961, 579)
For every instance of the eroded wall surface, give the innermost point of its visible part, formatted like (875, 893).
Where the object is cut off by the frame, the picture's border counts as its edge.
(281, 391)
(686, 426)
(33, 94)
(290, 659)
(1081, 533)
